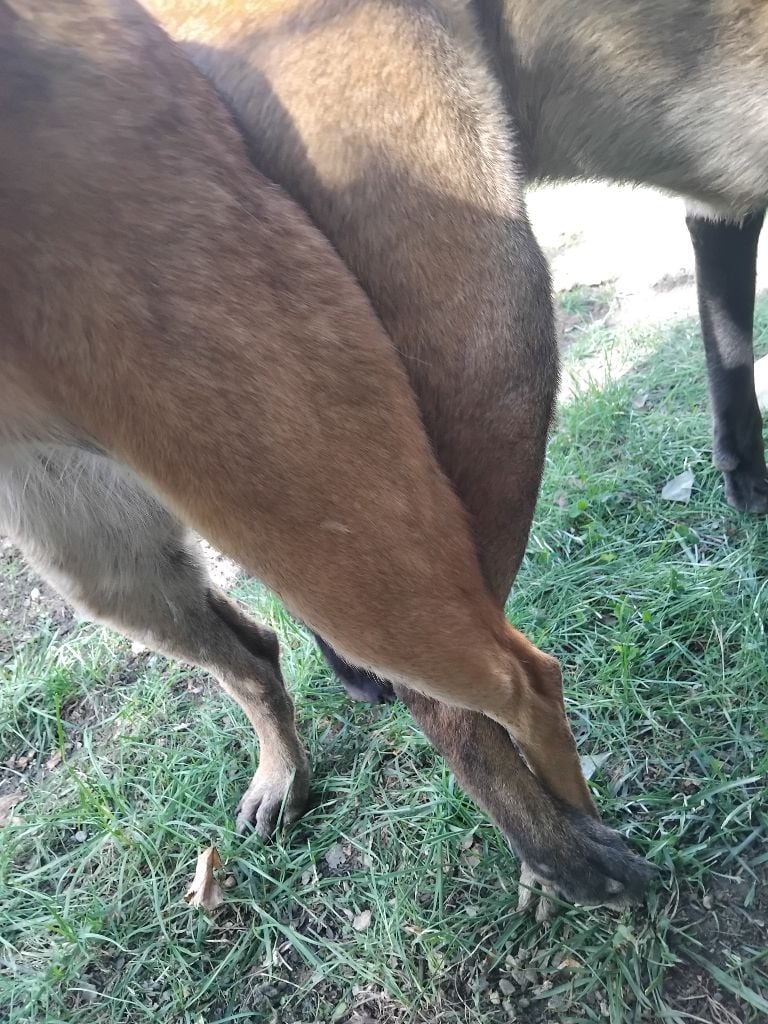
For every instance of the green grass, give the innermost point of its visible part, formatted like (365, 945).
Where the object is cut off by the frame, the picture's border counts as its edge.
(658, 612)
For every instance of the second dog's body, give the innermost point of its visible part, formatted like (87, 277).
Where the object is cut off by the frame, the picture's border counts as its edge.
(673, 95)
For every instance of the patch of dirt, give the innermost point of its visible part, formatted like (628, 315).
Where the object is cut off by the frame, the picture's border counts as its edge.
(668, 282)
(634, 238)
(727, 925)
(578, 309)
(27, 603)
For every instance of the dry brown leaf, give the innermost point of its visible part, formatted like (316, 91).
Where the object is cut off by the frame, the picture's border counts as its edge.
(7, 802)
(205, 891)
(53, 761)
(569, 964)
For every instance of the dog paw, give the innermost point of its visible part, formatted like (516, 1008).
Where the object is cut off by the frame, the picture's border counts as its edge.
(747, 490)
(273, 797)
(589, 865)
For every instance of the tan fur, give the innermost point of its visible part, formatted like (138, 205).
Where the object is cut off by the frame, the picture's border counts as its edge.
(172, 317)
(661, 93)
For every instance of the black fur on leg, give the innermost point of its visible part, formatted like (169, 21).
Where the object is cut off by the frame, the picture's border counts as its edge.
(360, 684)
(726, 260)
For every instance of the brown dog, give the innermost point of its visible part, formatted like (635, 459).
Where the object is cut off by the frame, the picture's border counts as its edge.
(391, 125)
(180, 344)
(423, 197)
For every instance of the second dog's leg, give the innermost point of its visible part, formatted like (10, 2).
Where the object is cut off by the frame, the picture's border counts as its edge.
(726, 258)
(112, 549)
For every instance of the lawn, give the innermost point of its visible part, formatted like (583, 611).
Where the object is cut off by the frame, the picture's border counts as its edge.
(393, 900)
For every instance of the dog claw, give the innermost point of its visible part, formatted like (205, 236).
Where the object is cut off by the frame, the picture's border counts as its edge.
(531, 889)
